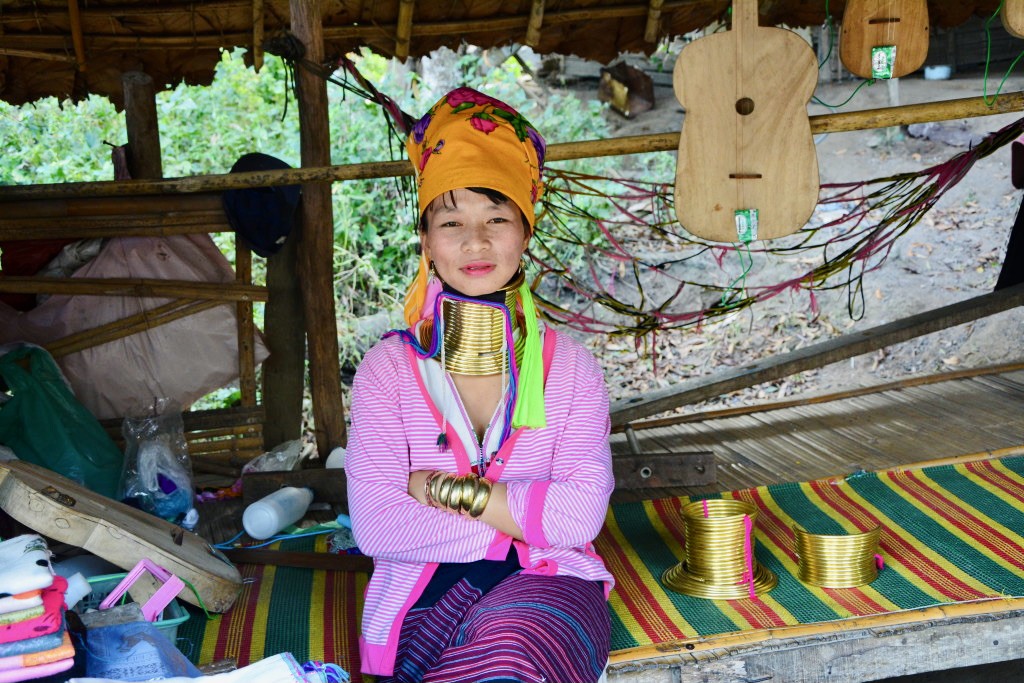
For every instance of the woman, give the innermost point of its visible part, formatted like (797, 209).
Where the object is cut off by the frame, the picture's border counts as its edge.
(478, 463)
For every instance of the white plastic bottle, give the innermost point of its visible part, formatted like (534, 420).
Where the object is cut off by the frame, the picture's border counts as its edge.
(274, 512)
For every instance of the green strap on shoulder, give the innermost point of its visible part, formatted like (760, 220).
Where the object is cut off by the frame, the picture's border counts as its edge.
(529, 410)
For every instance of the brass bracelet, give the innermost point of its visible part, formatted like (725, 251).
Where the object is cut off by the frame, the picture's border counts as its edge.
(444, 489)
(427, 494)
(465, 494)
(481, 496)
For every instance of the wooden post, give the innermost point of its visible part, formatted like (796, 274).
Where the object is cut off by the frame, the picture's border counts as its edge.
(141, 123)
(284, 371)
(316, 243)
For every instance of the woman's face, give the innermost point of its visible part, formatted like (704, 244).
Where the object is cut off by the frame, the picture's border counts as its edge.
(474, 243)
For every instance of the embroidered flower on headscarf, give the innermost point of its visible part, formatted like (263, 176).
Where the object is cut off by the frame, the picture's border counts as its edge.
(420, 129)
(461, 97)
(483, 122)
(538, 144)
(436, 149)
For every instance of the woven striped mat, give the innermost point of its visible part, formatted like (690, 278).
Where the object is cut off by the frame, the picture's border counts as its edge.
(952, 534)
(313, 614)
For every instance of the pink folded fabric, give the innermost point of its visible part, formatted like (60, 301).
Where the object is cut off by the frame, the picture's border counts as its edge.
(29, 672)
(63, 651)
(48, 622)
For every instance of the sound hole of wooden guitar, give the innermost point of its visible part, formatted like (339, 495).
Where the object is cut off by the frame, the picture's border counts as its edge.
(744, 106)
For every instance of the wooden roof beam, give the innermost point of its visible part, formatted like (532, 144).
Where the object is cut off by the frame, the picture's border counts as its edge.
(257, 35)
(653, 21)
(404, 29)
(76, 34)
(536, 21)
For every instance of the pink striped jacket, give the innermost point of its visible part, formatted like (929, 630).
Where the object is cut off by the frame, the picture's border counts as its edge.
(559, 481)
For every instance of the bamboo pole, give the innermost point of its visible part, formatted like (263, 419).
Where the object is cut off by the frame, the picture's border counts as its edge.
(163, 289)
(125, 327)
(536, 21)
(35, 54)
(246, 327)
(257, 35)
(108, 226)
(403, 32)
(116, 209)
(653, 21)
(316, 245)
(967, 107)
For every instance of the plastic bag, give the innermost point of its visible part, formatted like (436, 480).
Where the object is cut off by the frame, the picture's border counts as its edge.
(157, 473)
(281, 458)
(44, 424)
(136, 651)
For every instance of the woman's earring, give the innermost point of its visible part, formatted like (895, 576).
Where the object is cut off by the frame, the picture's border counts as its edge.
(432, 273)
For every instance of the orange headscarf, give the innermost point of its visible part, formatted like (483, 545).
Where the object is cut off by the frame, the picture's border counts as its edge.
(468, 139)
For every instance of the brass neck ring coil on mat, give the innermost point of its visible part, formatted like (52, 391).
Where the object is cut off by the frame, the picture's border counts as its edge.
(837, 561)
(718, 553)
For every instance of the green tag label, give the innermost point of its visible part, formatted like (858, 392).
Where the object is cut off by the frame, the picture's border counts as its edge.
(746, 225)
(883, 61)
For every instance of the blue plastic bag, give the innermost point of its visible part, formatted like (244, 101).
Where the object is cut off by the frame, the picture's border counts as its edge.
(44, 424)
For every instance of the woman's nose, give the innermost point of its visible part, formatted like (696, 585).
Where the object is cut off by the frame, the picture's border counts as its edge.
(475, 237)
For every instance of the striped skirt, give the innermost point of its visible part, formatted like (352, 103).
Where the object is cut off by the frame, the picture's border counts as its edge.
(526, 628)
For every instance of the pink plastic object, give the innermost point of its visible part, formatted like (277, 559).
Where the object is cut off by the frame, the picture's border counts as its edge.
(172, 585)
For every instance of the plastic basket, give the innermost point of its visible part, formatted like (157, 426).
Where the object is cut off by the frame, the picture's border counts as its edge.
(102, 586)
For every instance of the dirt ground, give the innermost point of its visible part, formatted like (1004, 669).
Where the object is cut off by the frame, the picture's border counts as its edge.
(954, 253)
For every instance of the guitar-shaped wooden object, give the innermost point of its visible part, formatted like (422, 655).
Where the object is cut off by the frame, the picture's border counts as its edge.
(871, 26)
(746, 143)
(1013, 17)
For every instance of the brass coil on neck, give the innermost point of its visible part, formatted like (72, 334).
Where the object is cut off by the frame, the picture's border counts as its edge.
(716, 564)
(837, 561)
(474, 333)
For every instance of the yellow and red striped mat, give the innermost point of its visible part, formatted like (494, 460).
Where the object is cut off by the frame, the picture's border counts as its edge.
(951, 535)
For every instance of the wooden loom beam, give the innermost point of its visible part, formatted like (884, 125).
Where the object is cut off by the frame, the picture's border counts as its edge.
(884, 117)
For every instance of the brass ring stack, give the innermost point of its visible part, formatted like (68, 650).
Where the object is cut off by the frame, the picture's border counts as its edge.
(466, 494)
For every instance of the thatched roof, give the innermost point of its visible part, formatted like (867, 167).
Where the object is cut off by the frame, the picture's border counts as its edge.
(45, 50)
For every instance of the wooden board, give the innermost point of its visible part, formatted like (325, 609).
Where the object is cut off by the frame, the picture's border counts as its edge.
(60, 509)
(874, 23)
(746, 141)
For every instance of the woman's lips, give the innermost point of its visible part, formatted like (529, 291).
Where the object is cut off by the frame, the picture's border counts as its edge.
(478, 268)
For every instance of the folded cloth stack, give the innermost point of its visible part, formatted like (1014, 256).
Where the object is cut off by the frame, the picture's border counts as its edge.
(34, 640)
